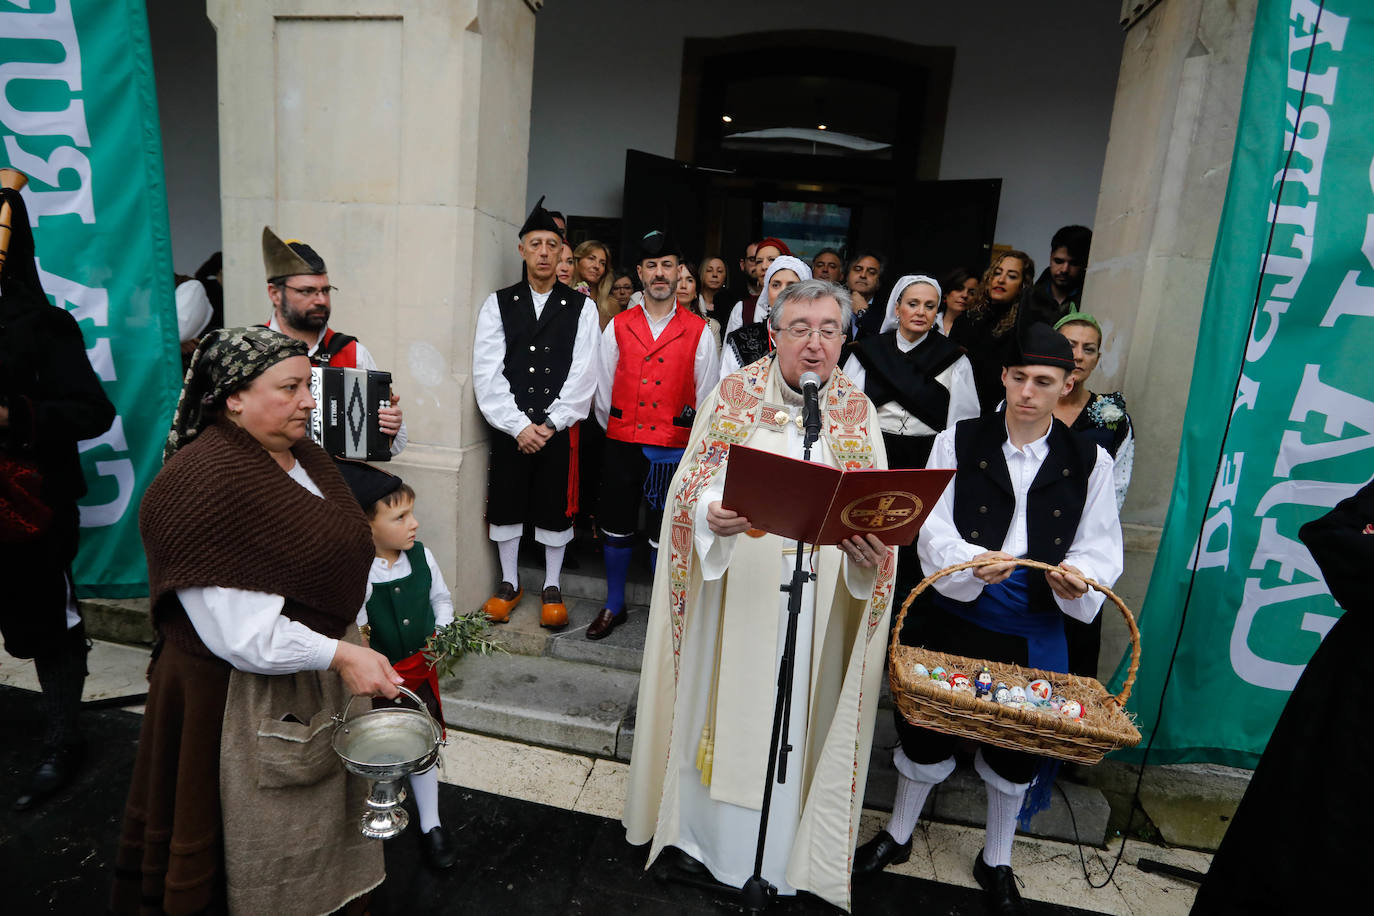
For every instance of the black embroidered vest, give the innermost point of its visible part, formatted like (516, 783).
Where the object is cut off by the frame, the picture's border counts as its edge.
(984, 501)
(539, 352)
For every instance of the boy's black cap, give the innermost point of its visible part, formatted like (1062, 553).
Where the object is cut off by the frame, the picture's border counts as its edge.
(1041, 345)
(368, 484)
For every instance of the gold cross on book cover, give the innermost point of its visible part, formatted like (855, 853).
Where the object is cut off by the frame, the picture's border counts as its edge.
(818, 504)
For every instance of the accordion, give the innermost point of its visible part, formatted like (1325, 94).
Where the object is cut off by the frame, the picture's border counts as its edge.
(345, 421)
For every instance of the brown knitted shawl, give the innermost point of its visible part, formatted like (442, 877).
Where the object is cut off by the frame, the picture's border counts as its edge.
(223, 513)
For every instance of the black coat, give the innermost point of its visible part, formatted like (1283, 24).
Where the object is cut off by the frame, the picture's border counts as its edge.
(1297, 842)
(54, 400)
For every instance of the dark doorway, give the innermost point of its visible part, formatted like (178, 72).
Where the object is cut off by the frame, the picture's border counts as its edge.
(817, 123)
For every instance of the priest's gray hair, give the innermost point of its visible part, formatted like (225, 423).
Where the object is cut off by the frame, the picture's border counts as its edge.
(810, 291)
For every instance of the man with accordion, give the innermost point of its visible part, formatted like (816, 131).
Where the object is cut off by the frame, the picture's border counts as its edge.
(357, 416)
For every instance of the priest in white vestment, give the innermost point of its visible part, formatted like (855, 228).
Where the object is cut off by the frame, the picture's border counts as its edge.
(717, 624)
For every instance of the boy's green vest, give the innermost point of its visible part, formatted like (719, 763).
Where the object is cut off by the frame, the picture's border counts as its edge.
(399, 611)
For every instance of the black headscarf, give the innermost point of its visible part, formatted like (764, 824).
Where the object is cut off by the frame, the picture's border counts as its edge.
(226, 361)
(20, 290)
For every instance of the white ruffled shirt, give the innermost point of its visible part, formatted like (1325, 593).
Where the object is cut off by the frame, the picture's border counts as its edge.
(1097, 548)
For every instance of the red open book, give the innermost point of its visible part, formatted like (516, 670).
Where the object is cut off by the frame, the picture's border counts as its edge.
(818, 504)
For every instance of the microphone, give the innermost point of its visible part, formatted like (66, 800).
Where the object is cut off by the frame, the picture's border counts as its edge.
(811, 409)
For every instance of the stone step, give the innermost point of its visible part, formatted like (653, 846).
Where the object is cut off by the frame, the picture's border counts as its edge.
(123, 620)
(540, 700)
(523, 635)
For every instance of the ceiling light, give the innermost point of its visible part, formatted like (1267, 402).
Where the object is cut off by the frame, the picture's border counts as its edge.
(820, 127)
(726, 118)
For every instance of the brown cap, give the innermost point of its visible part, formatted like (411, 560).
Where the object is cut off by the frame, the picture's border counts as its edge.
(289, 258)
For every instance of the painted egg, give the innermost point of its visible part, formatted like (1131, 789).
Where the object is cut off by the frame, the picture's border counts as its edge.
(1071, 709)
(1040, 692)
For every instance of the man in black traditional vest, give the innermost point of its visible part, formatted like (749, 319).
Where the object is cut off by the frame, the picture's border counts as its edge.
(533, 375)
(1025, 486)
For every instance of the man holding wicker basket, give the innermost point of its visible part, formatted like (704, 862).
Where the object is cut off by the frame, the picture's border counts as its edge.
(1025, 487)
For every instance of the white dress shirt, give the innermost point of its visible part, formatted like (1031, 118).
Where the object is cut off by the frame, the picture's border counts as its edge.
(489, 384)
(247, 629)
(703, 364)
(439, 599)
(363, 360)
(957, 379)
(1096, 549)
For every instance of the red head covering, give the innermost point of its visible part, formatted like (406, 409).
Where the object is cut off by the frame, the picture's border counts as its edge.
(776, 243)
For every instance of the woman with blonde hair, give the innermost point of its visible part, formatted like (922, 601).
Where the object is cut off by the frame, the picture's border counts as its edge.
(592, 275)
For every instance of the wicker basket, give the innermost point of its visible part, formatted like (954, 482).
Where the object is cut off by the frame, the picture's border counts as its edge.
(1105, 725)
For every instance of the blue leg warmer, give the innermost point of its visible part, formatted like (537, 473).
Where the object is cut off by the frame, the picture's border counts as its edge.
(617, 553)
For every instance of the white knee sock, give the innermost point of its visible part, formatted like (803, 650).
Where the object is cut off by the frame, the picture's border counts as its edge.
(1004, 804)
(553, 564)
(914, 782)
(425, 787)
(510, 566)
(906, 807)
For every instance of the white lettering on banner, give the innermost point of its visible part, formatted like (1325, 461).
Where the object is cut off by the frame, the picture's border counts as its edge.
(1286, 265)
(84, 302)
(1264, 672)
(1223, 496)
(1340, 408)
(55, 26)
(92, 303)
(122, 470)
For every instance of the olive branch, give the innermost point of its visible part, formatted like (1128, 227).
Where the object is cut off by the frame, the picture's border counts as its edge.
(467, 634)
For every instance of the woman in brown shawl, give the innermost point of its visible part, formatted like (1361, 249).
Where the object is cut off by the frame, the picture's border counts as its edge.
(257, 565)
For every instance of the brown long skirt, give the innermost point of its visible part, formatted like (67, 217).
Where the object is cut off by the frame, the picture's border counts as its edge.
(171, 846)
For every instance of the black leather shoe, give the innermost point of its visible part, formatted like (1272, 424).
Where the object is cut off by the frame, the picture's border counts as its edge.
(52, 776)
(878, 853)
(439, 849)
(604, 623)
(691, 866)
(1000, 895)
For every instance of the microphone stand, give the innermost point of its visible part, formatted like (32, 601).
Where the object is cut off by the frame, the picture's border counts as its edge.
(758, 894)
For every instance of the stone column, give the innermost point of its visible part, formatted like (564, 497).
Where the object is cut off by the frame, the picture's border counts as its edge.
(1163, 183)
(392, 135)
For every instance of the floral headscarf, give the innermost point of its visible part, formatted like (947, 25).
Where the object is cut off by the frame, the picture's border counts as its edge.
(226, 361)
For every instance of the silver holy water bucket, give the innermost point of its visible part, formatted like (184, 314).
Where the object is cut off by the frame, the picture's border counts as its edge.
(386, 745)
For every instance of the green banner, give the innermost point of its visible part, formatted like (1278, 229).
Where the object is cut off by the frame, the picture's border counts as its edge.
(1280, 420)
(78, 115)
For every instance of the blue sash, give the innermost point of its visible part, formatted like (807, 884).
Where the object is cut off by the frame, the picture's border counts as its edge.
(1005, 608)
(663, 462)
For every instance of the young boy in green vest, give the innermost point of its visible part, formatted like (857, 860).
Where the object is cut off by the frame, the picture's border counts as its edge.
(407, 602)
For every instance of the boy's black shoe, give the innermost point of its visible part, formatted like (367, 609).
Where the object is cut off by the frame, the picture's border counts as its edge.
(999, 888)
(878, 853)
(439, 848)
(54, 774)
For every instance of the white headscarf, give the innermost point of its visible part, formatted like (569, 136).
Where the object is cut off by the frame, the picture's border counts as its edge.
(782, 262)
(890, 321)
(193, 309)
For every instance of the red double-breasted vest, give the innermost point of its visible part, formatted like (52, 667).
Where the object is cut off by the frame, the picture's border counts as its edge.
(654, 394)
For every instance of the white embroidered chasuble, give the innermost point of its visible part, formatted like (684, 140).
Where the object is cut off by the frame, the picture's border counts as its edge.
(716, 630)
